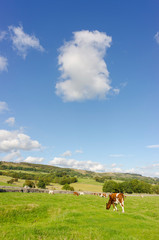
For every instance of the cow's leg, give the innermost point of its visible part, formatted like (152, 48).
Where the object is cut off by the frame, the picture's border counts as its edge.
(116, 207)
(113, 207)
(121, 204)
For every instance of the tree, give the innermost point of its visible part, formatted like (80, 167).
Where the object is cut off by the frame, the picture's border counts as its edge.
(110, 186)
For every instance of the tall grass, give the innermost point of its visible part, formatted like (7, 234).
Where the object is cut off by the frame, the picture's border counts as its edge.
(32, 216)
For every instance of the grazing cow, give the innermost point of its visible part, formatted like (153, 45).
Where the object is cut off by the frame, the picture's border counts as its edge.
(95, 194)
(51, 192)
(114, 199)
(103, 195)
(81, 193)
(76, 193)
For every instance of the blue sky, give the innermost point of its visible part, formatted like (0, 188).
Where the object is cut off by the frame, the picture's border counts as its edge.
(79, 84)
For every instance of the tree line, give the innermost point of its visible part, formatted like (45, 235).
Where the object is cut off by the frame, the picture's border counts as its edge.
(131, 186)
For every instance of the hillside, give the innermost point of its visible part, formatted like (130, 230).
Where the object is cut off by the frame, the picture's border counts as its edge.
(47, 169)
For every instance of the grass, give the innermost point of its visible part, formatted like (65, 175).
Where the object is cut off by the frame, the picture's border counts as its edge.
(35, 216)
(87, 184)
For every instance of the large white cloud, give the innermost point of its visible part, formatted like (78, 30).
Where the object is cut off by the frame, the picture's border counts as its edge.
(33, 159)
(3, 63)
(84, 73)
(22, 41)
(16, 140)
(14, 156)
(72, 163)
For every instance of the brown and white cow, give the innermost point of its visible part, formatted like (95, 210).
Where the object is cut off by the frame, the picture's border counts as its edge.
(114, 199)
(76, 193)
(51, 192)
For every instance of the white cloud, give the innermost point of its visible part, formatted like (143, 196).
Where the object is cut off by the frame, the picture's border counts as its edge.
(14, 156)
(157, 37)
(22, 41)
(72, 163)
(16, 140)
(84, 73)
(156, 165)
(10, 121)
(113, 165)
(116, 155)
(153, 146)
(116, 91)
(67, 154)
(3, 107)
(2, 35)
(3, 63)
(33, 159)
(116, 169)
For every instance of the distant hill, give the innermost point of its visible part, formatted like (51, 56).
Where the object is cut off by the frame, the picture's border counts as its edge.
(30, 167)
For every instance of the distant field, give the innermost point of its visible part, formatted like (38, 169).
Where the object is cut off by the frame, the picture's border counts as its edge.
(83, 184)
(34, 216)
(87, 184)
(4, 179)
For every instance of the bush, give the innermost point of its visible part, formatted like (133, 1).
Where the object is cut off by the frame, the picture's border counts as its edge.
(155, 189)
(29, 183)
(10, 181)
(41, 184)
(67, 187)
(67, 180)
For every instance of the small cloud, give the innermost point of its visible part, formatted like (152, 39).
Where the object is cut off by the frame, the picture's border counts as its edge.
(116, 170)
(153, 146)
(116, 91)
(116, 155)
(22, 41)
(67, 154)
(84, 73)
(113, 165)
(2, 35)
(10, 121)
(3, 63)
(123, 84)
(3, 107)
(78, 151)
(157, 37)
(33, 160)
(155, 165)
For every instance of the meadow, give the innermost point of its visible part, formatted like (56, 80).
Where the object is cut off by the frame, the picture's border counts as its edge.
(30, 216)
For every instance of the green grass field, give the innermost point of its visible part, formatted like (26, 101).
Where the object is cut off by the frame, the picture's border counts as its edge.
(28, 216)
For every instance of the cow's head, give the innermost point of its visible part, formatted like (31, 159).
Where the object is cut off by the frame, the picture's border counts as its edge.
(108, 204)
